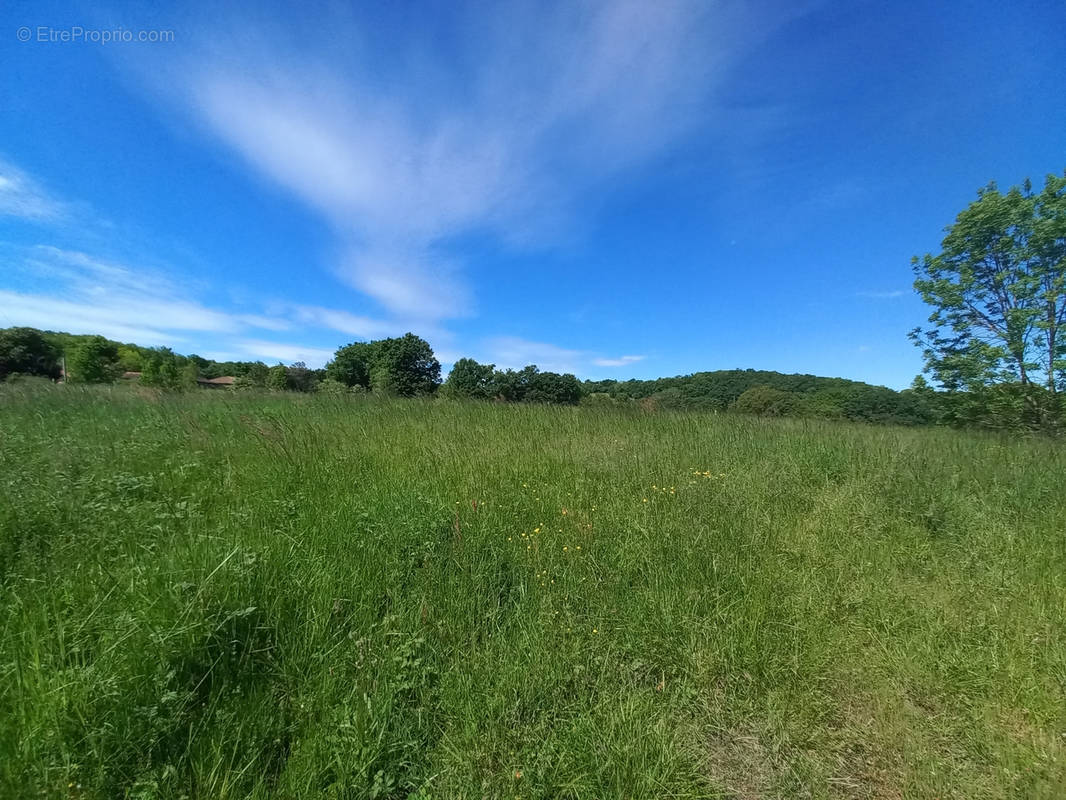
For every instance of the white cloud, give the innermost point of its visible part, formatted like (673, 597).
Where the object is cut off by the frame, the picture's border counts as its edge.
(345, 322)
(621, 361)
(88, 295)
(21, 196)
(49, 313)
(314, 357)
(407, 282)
(130, 302)
(404, 150)
(264, 322)
(512, 352)
(363, 327)
(883, 295)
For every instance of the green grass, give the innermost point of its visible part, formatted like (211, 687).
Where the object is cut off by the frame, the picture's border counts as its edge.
(216, 595)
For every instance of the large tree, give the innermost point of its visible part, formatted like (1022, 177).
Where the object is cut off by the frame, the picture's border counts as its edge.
(26, 351)
(403, 366)
(93, 360)
(351, 365)
(163, 368)
(468, 378)
(998, 293)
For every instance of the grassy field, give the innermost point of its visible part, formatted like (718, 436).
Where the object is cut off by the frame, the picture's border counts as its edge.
(221, 596)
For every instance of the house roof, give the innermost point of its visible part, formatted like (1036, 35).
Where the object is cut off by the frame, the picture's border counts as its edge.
(223, 380)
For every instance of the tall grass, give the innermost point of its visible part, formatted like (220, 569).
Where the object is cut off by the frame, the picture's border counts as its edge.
(213, 595)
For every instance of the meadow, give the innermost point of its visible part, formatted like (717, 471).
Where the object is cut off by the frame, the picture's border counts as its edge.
(220, 595)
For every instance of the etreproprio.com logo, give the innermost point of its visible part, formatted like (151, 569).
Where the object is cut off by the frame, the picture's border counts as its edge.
(78, 34)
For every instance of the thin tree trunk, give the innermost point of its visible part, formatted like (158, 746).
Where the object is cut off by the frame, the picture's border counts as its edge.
(1052, 332)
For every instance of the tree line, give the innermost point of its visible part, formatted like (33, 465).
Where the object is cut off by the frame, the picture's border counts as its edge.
(995, 346)
(402, 366)
(405, 366)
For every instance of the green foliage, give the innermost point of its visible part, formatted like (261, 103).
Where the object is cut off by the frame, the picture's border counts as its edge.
(277, 379)
(163, 369)
(351, 364)
(246, 384)
(551, 387)
(402, 366)
(93, 360)
(512, 385)
(298, 378)
(599, 399)
(26, 351)
(222, 595)
(331, 387)
(710, 391)
(469, 379)
(130, 358)
(190, 373)
(255, 373)
(998, 292)
(791, 395)
(767, 401)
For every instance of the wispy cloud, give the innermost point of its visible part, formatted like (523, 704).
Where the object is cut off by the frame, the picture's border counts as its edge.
(513, 352)
(621, 361)
(129, 303)
(314, 357)
(361, 327)
(50, 313)
(23, 197)
(882, 295)
(402, 153)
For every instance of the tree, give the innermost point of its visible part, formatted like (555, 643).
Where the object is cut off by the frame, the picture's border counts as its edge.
(164, 369)
(190, 374)
(351, 365)
(94, 360)
(403, 366)
(331, 388)
(551, 387)
(998, 294)
(299, 378)
(767, 401)
(26, 351)
(513, 386)
(470, 379)
(277, 378)
(130, 358)
(256, 373)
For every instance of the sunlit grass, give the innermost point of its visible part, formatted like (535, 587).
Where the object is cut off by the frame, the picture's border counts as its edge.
(215, 595)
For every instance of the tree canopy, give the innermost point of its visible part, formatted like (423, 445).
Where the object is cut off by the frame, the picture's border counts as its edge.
(403, 366)
(998, 292)
(95, 360)
(26, 351)
(469, 379)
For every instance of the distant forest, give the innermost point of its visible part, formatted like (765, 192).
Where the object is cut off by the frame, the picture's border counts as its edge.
(405, 366)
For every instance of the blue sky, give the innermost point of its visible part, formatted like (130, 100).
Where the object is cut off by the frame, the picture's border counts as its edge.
(625, 189)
